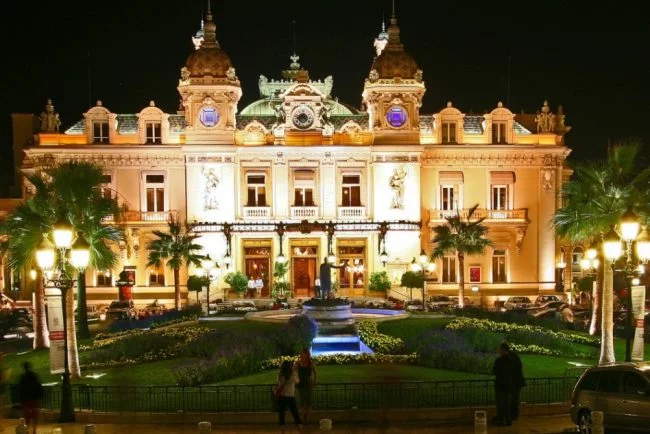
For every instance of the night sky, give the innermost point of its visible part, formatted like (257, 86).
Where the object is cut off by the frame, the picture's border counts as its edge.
(590, 58)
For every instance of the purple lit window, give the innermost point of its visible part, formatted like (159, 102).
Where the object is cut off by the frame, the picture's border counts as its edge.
(396, 116)
(209, 116)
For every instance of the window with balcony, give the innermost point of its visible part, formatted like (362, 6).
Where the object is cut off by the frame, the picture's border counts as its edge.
(450, 191)
(303, 187)
(499, 132)
(499, 266)
(448, 269)
(449, 132)
(104, 278)
(500, 197)
(153, 132)
(157, 275)
(256, 188)
(155, 193)
(351, 190)
(501, 194)
(100, 132)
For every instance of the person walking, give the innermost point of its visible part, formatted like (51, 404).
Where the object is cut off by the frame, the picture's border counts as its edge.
(307, 381)
(518, 383)
(502, 370)
(286, 395)
(30, 392)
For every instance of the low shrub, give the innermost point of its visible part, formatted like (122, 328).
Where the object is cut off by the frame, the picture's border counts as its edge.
(347, 359)
(510, 316)
(191, 374)
(168, 318)
(446, 349)
(379, 343)
(297, 334)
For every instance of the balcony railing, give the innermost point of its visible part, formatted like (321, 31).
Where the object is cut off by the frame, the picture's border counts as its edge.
(146, 216)
(487, 214)
(300, 212)
(352, 212)
(257, 212)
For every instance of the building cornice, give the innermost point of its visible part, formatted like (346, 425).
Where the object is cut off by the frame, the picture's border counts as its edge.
(514, 156)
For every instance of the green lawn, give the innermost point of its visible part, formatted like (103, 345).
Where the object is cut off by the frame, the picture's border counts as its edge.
(364, 374)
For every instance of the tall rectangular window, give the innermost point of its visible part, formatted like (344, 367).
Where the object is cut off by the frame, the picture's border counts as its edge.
(104, 278)
(157, 275)
(449, 269)
(451, 191)
(499, 132)
(256, 185)
(303, 188)
(500, 197)
(499, 266)
(351, 190)
(155, 193)
(153, 130)
(449, 132)
(448, 199)
(100, 132)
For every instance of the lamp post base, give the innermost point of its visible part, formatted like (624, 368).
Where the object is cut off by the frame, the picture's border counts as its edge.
(66, 413)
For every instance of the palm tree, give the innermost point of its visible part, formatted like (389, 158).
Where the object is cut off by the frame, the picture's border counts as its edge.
(177, 247)
(461, 237)
(594, 199)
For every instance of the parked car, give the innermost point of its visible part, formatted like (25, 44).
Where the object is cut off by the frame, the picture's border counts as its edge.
(395, 303)
(549, 305)
(438, 302)
(467, 301)
(620, 390)
(93, 313)
(542, 299)
(499, 306)
(121, 310)
(517, 303)
(414, 305)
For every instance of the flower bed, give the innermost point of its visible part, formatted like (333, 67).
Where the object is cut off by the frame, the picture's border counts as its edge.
(348, 359)
(378, 342)
(326, 302)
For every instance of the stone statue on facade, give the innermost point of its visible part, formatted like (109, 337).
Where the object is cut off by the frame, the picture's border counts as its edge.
(231, 74)
(397, 184)
(185, 76)
(50, 121)
(373, 76)
(325, 276)
(418, 76)
(211, 185)
(280, 114)
(545, 120)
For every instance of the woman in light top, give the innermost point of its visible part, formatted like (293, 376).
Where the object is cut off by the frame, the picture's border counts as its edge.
(286, 394)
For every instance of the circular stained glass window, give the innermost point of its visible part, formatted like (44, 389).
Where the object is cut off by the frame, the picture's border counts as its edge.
(396, 116)
(209, 116)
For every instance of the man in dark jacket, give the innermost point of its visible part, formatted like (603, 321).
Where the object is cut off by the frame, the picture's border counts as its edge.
(502, 370)
(31, 392)
(518, 382)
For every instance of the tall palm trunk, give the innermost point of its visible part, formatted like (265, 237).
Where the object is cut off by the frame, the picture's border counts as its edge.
(41, 334)
(73, 353)
(607, 328)
(177, 289)
(461, 280)
(82, 311)
(596, 303)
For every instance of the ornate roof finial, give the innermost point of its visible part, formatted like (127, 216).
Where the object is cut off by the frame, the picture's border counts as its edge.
(199, 36)
(294, 62)
(210, 31)
(382, 39)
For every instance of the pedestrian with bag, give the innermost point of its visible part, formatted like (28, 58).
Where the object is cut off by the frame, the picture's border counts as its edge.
(285, 393)
(518, 383)
(30, 391)
(502, 370)
(307, 381)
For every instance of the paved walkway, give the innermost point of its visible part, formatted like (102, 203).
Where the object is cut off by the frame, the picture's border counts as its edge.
(529, 425)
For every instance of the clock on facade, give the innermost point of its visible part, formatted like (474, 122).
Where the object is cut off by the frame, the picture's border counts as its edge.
(302, 117)
(209, 116)
(396, 116)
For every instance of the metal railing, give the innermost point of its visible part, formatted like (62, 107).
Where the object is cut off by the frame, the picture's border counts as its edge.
(304, 212)
(487, 214)
(145, 216)
(340, 396)
(253, 212)
(345, 212)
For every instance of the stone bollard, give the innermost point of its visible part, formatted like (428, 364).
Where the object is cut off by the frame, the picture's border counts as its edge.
(597, 419)
(21, 428)
(205, 427)
(325, 425)
(480, 422)
(57, 430)
(90, 429)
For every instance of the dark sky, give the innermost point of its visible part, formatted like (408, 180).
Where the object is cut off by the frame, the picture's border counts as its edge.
(590, 58)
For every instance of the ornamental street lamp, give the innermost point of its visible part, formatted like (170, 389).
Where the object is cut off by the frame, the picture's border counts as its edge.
(211, 271)
(561, 265)
(383, 257)
(59, 277)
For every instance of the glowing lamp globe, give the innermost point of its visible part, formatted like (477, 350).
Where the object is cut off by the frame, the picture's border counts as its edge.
(331, 258)
(585, 264)
(643, 245)
(423, 257)
(431, 267)
(612, 247)
(629, 225)
(62, 232)
(80, 253)
(591, 252)
(415, 266)
(281, 259)
(207, 263)
(45, 255)
(383, 257)
(199, 272)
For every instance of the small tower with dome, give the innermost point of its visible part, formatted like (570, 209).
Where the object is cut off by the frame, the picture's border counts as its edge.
(209, 90)
(393, 91)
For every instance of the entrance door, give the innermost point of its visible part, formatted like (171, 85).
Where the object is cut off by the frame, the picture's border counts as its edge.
(352, 278)
(304, 275)
(258, 269)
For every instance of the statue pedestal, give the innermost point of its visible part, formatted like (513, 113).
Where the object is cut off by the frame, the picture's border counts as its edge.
(330, 317)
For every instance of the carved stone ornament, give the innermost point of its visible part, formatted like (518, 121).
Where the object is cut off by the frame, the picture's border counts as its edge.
(396, 183)
(230, 74)
(418, 76)
(373, 76)
(520, 233)
(210, 189)
(548, 176)
(185, 76)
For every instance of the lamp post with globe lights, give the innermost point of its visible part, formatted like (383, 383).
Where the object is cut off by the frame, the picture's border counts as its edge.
(423, 264)
(211, 271)
(73, 254)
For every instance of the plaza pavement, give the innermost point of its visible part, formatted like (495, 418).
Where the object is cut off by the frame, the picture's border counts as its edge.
(528, 425)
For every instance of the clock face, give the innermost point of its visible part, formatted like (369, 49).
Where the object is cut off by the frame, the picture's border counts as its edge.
(302, 117)
(396, 116)
(209, 116)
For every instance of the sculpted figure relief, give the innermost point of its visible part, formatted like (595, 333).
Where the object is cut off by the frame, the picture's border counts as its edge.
(397, 184)
(185, 76)
(546, 121)
(211, 184)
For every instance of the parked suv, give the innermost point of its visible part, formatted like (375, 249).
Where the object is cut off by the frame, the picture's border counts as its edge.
(515, 303)
(121, 310)
(437, 302)
(543, 299)
(620, 390)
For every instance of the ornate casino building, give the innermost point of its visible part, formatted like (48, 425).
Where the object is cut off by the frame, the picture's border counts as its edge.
(300, 175)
